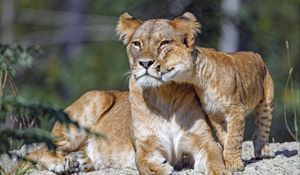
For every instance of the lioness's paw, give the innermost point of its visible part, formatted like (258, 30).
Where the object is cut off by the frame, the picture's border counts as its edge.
(73, 163)
(167, 169)
(219, 171)
(81, 163)
(61, 166)
(234, 163)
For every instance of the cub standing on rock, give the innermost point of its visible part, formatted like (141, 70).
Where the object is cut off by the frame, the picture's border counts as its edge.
(229, 85)
(168, 125)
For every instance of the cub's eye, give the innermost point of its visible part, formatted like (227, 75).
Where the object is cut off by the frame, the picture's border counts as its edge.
(165, 42)
(136, 44)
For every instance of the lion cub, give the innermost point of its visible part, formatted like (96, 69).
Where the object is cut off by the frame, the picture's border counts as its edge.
(229, 85)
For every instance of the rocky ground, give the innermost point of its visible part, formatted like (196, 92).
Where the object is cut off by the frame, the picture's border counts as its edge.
(285, 162)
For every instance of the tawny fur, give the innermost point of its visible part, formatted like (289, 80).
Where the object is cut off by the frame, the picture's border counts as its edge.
(105, 112)
(168, 125)
(229, 85)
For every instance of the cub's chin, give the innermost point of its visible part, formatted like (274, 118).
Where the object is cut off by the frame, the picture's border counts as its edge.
(177, 74)
(146, 82)
(171, 75)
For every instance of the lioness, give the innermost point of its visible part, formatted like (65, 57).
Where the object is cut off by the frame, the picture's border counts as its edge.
(157, 132)
(168, 126)
(228, 85)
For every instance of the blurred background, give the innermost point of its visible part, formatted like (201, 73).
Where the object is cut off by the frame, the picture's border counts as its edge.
(82, 51)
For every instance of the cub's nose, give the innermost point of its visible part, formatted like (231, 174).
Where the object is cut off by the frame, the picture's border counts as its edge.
(146, 64)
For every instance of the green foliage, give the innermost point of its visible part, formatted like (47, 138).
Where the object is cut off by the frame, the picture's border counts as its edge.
(20, 112)
(24, 116)
(11, 57)
(16, 55)
(32, 111)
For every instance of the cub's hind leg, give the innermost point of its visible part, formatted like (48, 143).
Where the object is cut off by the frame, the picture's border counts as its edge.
(263, 120)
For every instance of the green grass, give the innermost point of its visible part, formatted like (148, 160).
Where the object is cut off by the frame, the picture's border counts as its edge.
(289, 86)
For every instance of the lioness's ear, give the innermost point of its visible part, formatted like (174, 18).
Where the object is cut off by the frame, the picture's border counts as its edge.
(126, 27)
(188, 27)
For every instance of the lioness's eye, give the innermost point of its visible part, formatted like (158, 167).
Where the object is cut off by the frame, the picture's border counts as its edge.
(165, 42)
(136, 44)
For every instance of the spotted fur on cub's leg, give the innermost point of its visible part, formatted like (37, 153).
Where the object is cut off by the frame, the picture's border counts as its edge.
(263, 120)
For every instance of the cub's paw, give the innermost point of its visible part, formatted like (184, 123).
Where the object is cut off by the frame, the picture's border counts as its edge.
(267, 152)
(234, 163)
(264, 152)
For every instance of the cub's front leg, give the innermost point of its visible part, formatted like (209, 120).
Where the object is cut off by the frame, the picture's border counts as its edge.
(219, 127)
(233, 142)
(151, 157)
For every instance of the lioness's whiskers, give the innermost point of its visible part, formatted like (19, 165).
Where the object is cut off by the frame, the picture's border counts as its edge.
(126, 75)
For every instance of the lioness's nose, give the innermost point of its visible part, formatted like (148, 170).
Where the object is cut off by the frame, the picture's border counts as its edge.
(146, 64)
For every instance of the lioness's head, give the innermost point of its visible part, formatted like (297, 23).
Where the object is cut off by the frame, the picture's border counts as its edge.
(159, 50)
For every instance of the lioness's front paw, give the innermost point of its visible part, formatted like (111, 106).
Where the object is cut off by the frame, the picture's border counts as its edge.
(62, 166)
(234, 163)
(219, 171)
(166, 169)
(73, 163)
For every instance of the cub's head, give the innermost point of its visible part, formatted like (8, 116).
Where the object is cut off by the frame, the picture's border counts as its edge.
(159, 50)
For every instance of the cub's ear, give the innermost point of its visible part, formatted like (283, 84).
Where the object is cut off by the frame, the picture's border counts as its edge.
(187, 27)
(126, 27)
